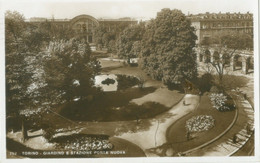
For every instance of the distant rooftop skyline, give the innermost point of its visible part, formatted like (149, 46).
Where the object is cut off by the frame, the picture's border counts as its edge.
(116, 9)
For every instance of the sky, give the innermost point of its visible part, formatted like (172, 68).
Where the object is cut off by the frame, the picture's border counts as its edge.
(144, 9)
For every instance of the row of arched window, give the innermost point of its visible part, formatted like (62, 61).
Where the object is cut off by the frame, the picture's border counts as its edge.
(226, 24)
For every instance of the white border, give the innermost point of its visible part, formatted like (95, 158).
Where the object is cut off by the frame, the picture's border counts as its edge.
(256, 158)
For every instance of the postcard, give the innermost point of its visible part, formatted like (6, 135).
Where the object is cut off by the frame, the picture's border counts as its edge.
(150, 81)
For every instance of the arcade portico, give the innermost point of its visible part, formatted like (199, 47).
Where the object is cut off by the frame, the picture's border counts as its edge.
(239, 60)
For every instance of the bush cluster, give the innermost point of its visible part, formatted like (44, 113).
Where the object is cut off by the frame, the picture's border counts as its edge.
(48, 133)
(125, 81)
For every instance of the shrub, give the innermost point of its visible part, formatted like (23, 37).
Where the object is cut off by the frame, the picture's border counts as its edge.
(230, 103)
(214, 89)
(205, 82)
(133, 64)
(108, 81)
(48, 133)
(125, 81)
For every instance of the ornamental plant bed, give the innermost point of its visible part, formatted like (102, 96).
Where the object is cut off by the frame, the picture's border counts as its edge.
(199, 123)
(177, 135)
(83, 142)
(222, 102)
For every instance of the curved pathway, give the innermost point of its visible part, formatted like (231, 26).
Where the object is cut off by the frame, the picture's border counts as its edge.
(155, 134)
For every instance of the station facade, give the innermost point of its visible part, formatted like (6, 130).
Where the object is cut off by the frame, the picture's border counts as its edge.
(85, 24)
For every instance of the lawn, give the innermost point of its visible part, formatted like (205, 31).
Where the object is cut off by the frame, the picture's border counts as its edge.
(109, 64)
(119, 105)
(176, 134)
(114, 106)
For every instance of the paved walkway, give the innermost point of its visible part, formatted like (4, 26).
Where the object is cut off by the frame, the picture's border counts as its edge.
(225, 145)
(155, 134)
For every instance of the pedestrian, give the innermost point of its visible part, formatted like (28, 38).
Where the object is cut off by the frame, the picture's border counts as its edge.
(188, 135)
(248, 129)
(245, 97)
(235, 138)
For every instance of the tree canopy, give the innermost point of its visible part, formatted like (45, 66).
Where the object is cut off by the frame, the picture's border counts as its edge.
(129, 42)
(104, 36)
(70, 70)
(167, 47)
(23, 44)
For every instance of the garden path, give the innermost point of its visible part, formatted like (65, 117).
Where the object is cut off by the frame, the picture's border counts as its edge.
(155, 134)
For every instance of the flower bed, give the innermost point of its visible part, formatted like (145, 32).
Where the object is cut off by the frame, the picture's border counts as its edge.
(83, 142)
(200, 123)
(221, 102)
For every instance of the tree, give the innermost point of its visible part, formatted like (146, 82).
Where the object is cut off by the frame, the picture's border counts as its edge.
(129, 42)
(167, 48)
(15, 30)
(20, 52)
(104, 36)
(205, 82)
(70, 70)
(227, 44)
(98, 34)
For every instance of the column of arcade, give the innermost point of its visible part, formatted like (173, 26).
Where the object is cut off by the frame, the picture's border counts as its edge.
(236, 62)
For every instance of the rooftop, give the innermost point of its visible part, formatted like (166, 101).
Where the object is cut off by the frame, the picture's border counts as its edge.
(40, 19)
(223, 16)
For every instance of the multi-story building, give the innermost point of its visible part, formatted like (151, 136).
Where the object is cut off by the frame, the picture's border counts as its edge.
(210, 25)
(86, 24)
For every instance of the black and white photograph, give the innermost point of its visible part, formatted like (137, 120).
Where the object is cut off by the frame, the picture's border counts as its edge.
(169, 80)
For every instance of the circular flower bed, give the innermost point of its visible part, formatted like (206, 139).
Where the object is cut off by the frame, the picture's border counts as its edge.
(222, 102)
(200, 123)
(85, 143)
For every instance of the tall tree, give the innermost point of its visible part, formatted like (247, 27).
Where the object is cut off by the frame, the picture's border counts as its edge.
(129, 41)
(167, 48)
(70, 70)
(105, 36)
(20, 51)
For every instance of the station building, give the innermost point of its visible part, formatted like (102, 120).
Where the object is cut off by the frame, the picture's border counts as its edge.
(85, 24)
